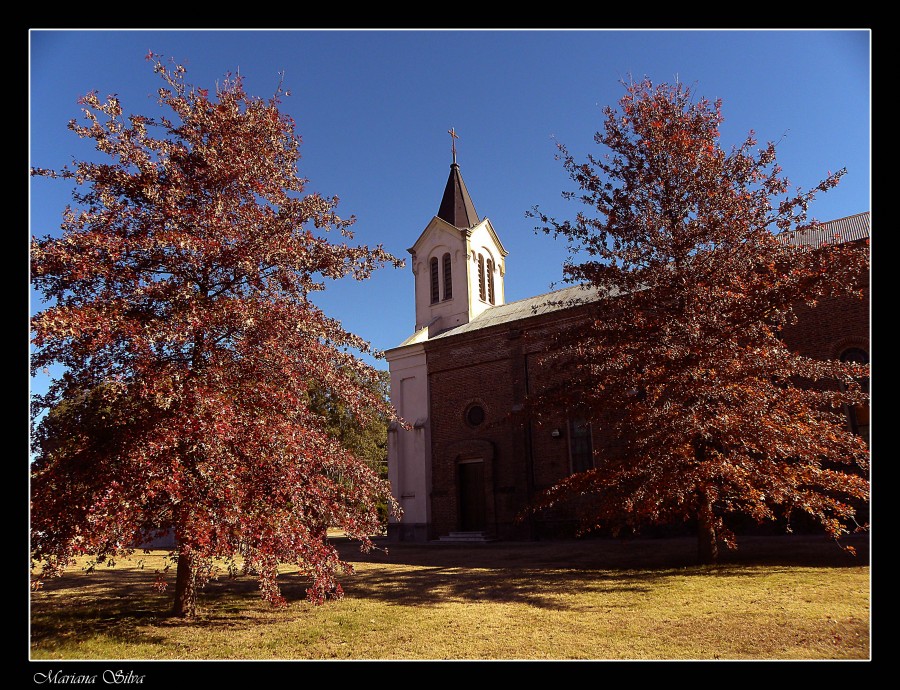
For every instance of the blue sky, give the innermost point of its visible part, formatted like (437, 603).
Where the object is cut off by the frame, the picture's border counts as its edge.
(373, 109)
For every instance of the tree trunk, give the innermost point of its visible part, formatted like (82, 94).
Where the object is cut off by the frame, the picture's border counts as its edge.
(707, 540)
(185, 586)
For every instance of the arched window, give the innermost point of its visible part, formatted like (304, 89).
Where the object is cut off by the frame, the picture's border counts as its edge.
(490, 280)
(858, 415)
(448, 278)
(435, 285)
(481, 293)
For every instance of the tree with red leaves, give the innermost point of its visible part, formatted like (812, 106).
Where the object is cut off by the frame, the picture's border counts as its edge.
(179, 308)
(706, 412)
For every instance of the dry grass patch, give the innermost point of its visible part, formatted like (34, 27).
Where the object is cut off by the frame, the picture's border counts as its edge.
(775, 598)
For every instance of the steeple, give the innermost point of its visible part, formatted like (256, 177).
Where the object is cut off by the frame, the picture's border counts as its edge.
(458, 261)
(456, 205)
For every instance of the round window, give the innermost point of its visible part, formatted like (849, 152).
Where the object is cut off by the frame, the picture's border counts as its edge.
(475, 415)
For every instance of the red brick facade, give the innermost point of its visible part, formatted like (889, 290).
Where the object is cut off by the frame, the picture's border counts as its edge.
(832, 327)
(494, 368)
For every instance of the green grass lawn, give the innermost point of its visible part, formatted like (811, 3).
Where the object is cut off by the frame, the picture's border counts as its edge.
(791, 597)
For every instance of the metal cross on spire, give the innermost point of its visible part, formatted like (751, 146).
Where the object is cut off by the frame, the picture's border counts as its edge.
(453, 137)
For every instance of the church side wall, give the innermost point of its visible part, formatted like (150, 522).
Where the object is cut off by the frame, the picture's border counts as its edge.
(495, 367)
(830, 328)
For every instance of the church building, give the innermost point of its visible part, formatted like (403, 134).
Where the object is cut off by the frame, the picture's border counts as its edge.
(464, 467)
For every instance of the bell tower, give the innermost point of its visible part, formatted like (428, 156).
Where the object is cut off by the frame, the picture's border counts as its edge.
(458, 261)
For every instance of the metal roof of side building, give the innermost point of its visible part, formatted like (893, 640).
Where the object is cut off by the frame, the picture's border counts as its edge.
(849, 229)
(526, 308)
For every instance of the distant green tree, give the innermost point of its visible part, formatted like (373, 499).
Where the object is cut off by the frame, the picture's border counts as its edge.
(365, 439)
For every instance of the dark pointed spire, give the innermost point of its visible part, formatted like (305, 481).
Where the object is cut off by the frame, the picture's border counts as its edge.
(456, 205)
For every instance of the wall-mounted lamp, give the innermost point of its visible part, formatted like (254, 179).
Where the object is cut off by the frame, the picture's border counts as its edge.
(556, 433)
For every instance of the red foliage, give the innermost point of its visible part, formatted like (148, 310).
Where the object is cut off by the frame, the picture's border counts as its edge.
(179, 308)
(709, 412)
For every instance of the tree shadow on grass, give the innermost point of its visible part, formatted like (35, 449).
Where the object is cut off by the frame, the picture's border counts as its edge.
(542, 573)
(538, 588)
(121, 605)
(800, 551)
(115, 604)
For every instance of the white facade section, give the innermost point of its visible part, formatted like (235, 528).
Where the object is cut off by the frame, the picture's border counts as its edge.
(409, 450)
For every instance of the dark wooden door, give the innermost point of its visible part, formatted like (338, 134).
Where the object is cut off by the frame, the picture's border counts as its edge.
(471, 496)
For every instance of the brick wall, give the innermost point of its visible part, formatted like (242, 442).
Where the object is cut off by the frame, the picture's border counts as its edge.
(495, 367)
(492, 368)
(830, 328)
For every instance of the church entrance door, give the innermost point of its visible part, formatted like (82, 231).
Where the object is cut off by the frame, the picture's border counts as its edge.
(471, 495)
